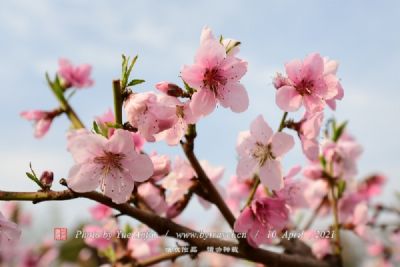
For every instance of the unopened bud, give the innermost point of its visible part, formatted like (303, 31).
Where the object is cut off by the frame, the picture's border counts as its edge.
(46, 178)
(170, 89)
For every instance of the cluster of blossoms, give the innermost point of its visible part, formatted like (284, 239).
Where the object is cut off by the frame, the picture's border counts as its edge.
(264, 197)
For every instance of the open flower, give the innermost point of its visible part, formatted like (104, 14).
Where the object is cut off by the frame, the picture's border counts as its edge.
(308, 83)
(215, 174)
(151, 113)
(343, 156)
(260, 150)
(215, 75)
(42, 120)
(260, 217)
(75, 76)
(9, 233)
(113, 164)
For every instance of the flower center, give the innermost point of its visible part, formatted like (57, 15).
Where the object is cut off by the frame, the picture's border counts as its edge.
(213, 79)
(305, 87)
(110, 161)
(263, 153)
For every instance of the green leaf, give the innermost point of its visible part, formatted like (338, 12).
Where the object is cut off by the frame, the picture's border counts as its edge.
(135, 82)
(339, 131)
(96, 128)
(126, 71)
(341, 187)
(323, 161)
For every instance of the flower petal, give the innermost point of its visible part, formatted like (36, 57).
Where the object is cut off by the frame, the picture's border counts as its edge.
(203, 102)
(118, 185)
(260, 130)
(235, 97)
(281, 143)
(246, 167)
(84, 177)
(288, 99)
(245, 221)
(271, 175)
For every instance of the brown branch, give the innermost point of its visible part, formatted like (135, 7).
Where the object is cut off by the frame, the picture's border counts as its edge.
(214, 195)
(168, 256)
(166, 227)
(315, 213)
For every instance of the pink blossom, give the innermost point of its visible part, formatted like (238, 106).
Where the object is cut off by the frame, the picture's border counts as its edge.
(94, 235)
(12, 211)
(309, 131)
(113, 164)
(178, 181)
(162, 166)
(237, 191)
(360, 221)
(170, 89)
(141, 248)
(179, 124)
(308, 83)
(151, 113)
(319, 246)
(376, 248)
(9, 233)
(330, 69)
(260, 150)
(372, 186)
(215, 174)
(76, 76)
(100, 212)
(313, 170)
(215, 75)
(262, 216)
(293, 190)
(343, 156)
(153, 196)
(42, 121)
(314, 193)
(348, 203)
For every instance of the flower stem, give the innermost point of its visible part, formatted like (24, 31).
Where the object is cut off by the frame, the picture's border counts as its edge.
(118, 101)
(253, 191)
(59, 94)
(336, 223)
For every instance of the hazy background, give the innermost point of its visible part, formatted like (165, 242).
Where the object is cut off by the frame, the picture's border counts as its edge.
(362, 35)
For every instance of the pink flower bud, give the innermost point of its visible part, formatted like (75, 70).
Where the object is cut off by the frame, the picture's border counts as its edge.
(170, 89)
(47, 178)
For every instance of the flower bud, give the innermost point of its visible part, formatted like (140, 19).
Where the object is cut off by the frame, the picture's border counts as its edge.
(170, 89)
(47, 178)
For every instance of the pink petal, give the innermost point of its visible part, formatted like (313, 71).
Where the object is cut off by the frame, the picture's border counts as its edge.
(314, 65)
(281, 143)
(141, 168)
(233, 69)
(313, 103)
(271, 175)
(42, 127)
(193, 75)
(118, 186)
(246, 167)
(260, 130)
(245, 221)
(84, 145)
(294, 70)
(203, 102)
(235, 97)
(210, 54)
(206, 35)
(84, 177)
(310, 148)
(288, 99)
(360, 215)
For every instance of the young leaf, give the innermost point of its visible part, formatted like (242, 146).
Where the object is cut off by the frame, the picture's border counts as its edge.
(341, 186)
(135, 82)
(339, 131)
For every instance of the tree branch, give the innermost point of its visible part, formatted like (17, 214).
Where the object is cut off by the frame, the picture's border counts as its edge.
(166, 227)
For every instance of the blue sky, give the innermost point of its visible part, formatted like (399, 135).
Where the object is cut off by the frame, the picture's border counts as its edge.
(361, 35)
